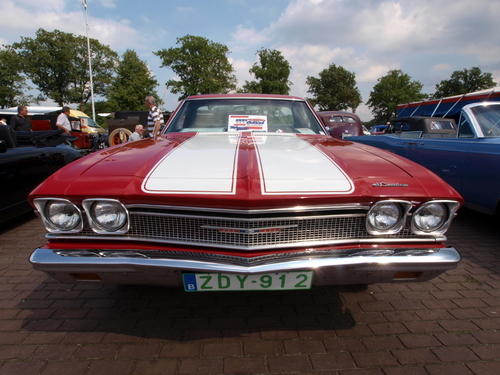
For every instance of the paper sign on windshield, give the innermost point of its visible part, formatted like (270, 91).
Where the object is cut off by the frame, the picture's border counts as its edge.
(253, 123)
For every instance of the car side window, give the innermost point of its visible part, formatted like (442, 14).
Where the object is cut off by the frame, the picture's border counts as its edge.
(465, 128)
(336, 119)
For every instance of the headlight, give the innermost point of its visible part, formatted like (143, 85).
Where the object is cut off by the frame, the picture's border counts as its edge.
(387, 217)
(59, 215)
(430, 217)
(434, 217)
(106, 216)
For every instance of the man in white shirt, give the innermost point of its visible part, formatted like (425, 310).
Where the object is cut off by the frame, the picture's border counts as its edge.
(137, 134)
(62, 121)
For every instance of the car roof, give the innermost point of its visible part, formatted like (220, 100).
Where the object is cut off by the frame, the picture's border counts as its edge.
(418, 118)
(244, 96)
(337, 113)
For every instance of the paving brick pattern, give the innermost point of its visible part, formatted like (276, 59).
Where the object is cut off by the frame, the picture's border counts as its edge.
(450, 325)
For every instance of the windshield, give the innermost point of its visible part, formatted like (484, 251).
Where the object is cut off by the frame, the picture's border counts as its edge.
(91, 122)
(488, 117)
(257, 115)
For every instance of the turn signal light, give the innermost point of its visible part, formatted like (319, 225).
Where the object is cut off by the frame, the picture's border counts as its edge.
(86, 276)
(407, 275)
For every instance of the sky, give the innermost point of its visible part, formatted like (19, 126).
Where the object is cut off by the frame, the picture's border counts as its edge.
(426, 39)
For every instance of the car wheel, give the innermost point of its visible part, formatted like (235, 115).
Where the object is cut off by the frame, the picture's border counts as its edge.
(119, 136)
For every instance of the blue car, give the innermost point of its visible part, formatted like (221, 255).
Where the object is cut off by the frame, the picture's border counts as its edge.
(468, 160)
(378, 129)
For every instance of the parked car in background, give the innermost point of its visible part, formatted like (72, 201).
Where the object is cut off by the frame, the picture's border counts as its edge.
(89, 135)
(88, 125)
(26, 159)
(244, 192)
(423, 126)
(468, 159)
(341, 124)
(378, 129)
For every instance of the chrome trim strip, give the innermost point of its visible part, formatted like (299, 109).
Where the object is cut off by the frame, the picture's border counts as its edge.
(263, 247)
(298, 209)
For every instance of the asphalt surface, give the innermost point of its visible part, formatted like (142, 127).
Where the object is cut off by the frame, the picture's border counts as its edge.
(450, 325)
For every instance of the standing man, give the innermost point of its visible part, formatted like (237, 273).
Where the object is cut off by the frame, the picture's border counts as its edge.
(21, 122)
(62, 121)
(155, 117)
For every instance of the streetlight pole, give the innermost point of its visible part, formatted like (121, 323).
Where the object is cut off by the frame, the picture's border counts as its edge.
(84, 2)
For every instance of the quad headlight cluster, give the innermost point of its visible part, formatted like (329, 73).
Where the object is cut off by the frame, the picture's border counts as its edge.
(105, 216)
(109, 216)
(390, 216)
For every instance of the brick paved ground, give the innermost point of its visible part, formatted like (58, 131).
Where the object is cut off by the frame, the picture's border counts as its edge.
(450, 325)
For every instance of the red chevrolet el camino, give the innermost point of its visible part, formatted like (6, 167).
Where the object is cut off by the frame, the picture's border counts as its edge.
(244, 192)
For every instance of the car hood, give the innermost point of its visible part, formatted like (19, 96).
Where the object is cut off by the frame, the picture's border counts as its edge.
(243, 170)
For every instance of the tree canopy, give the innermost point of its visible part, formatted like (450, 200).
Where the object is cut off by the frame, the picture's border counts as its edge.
(272, 72)
(12, 81)
(392, 89)
(463, 82)
(201, 65)
(57, 63)
(132, 84)
(334, 90)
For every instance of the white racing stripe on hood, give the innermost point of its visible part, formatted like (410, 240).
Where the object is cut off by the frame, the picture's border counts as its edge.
(204, 164)
(207, 162)
(290, 165)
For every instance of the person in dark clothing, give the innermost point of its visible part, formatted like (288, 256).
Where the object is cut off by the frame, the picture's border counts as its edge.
(21, 122)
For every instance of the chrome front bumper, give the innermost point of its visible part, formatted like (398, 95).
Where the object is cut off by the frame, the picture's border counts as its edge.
(359, 268)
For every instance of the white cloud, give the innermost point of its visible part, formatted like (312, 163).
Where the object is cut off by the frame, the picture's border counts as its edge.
(244, 39)
(50, 15)
(184, 9)
(107, 3)
(441, 67)
(242, 68)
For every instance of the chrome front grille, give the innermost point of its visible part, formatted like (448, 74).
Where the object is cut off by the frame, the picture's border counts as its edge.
(250, 232)
(247, 233)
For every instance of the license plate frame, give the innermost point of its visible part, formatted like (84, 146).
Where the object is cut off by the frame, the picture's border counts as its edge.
(219, 281)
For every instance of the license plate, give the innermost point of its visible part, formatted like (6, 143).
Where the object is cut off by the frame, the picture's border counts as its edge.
(211, 282)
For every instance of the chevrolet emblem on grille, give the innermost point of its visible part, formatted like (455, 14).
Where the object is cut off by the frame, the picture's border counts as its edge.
(249, 230)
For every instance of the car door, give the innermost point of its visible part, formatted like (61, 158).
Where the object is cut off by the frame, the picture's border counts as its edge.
(21, 170)
(443, 156)
(481, 180)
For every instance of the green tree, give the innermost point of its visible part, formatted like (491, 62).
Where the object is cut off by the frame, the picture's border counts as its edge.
(334, 90)
(392, 89)
(201, 65)
(57, 63)
(464, 81)
(132, 84)
(272, 74)
(12, 81)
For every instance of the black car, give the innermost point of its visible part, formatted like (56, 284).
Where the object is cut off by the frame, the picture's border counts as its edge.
(423, 126)
(26, 159)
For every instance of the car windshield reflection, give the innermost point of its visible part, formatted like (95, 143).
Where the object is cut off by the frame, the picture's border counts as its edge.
(234, 115)
(488, 117)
